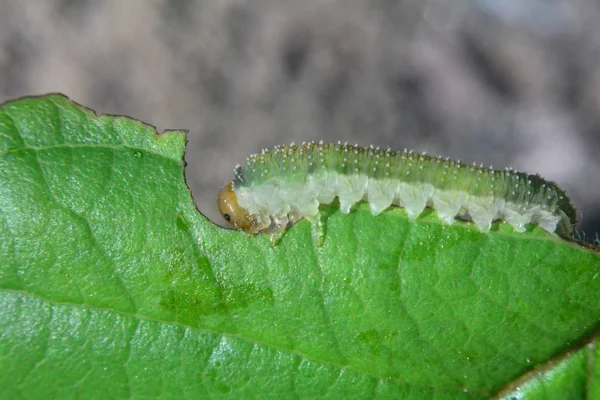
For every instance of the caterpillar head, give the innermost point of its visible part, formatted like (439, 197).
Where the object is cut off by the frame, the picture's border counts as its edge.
(233, 213)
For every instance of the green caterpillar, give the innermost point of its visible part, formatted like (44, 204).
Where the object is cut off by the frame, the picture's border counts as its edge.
(278, 187)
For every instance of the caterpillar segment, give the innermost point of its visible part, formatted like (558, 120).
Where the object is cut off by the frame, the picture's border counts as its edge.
(278, 187)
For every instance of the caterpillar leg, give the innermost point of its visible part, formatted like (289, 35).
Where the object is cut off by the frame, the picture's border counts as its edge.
(317, 230)
(275, 237)
(278, 228)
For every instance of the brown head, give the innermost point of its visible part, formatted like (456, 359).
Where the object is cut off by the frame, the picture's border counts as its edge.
(231, 210)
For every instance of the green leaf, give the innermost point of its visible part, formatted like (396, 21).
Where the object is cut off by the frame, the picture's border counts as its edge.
(576, 375)
(112, 285)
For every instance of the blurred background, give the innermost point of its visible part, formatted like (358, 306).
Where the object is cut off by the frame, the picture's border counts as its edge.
(507, 83)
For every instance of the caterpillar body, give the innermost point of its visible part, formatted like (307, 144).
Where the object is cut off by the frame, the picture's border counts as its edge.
(280, 186)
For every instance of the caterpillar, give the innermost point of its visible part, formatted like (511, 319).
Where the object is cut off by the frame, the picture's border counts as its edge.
(278, 187)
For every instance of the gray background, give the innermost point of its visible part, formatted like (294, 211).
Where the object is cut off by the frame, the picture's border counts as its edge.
(508, 83)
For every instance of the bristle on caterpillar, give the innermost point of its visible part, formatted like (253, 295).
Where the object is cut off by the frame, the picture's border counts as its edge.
(280, 186)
